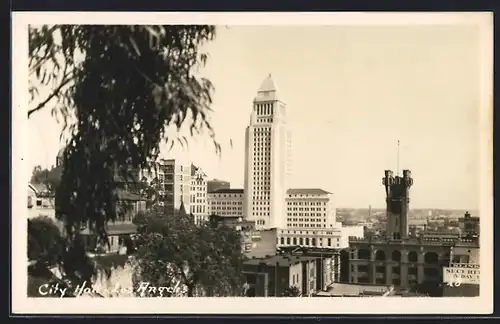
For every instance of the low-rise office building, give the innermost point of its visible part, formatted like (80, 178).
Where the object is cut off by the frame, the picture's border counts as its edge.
(271, 276)
(310, 208)
(225, 202)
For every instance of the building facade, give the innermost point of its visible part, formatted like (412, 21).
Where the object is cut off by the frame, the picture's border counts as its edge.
(173, 179)
(469, 225)
(397, 259)
(462, 275)
(119, 231)
(40, 202)
(267, 159)
(215, 184)
(270, 277)
(310, 208)
(397, 191)
(198, 193)
(307, 237)
(225, 202)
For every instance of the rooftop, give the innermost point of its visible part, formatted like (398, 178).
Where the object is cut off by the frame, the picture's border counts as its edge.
(418, 241)
(281, 260)
(38, 187)
(229, 191)
(307, 191)
(267, 90)
(195, 169)
(354, 290)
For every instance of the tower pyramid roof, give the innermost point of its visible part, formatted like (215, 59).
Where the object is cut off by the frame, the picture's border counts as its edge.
(267, 90)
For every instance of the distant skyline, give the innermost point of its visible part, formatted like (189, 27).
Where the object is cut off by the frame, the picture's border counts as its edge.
(351, 92)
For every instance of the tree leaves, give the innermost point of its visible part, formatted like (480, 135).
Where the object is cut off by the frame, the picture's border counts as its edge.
(292, 291)
(208, 261)
(49, 177)
(130, 84)
(118, 90)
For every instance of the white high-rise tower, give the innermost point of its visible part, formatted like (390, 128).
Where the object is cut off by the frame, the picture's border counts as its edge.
(267, 159)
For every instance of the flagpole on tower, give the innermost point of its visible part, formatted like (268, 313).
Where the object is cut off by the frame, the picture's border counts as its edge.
(397, 169)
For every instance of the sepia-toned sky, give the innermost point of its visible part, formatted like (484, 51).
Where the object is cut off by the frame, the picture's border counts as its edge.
(351, 92)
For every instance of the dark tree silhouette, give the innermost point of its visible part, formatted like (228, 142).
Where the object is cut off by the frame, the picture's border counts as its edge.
(292, 291)
(45, 243)
(173, 249)
(117, 89)
(49, 177)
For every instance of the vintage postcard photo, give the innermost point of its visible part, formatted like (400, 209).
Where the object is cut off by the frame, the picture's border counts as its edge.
(284, 162)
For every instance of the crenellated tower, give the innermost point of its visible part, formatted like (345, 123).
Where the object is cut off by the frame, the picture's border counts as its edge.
(397, 190)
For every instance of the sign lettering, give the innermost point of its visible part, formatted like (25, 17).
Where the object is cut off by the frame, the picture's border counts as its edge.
(459, 274)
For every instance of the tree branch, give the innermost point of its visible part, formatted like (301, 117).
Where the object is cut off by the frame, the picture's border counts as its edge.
(49, 98)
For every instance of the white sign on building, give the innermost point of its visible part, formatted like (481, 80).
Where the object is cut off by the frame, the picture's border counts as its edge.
(458, 274)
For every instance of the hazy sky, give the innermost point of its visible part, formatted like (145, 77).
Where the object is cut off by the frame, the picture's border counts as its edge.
(351, 92)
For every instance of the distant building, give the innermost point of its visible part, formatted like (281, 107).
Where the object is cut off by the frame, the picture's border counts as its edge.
(236, 222)
(173, 178)
(119, 231)
(356, 290)
(398, 259)
(40, 201)
(329, 259)
(438, 235)
(417, 226)
(310, 208)
(310, 237)
(225, 202)
(262, 243)
(469, 225)
(246, 229)
(271, 276)
(214, 185)
(198, 193)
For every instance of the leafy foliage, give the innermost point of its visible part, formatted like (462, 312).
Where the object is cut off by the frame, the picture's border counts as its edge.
(48, 248)
(173, 251)
(45, 243)
(292, 291)
(49, 177)
(126, 85)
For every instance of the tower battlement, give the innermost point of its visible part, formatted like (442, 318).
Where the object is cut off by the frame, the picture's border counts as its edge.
(397, 190)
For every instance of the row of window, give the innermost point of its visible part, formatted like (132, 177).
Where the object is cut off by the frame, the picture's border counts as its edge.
(306, 203)
(226, 203)
(226, 208)
(260, 222)
(261, 131)
(263, 195)
(308, 241)
(259, 163)
(264, 109)
(230, 213)
(305, 225)
(198, 209)
(306, 214)
(306, 220)
(226, 195)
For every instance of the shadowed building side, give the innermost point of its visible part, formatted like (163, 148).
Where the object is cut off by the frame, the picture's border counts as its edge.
(397, 259)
